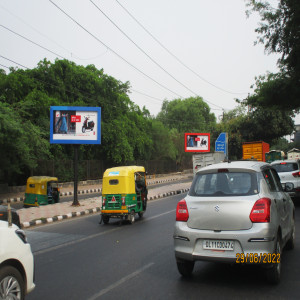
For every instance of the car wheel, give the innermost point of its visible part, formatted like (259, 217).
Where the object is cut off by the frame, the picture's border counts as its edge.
(132, 217)
(105, 219)
(274, 271)
(290, 245)
(185, 267)
(11, 284)
(141, 214)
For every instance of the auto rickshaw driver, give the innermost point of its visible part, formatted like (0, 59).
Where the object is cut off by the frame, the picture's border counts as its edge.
(141, 189)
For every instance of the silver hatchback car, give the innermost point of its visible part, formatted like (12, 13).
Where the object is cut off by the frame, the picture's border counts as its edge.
(236, 212)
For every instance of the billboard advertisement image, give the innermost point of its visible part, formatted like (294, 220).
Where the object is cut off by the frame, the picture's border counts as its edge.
(197, 142)
(75, 125)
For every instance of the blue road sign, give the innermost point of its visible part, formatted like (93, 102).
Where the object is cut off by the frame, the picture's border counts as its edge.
(221, 143)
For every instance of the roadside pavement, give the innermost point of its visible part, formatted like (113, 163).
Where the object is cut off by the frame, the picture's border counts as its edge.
(64, 210)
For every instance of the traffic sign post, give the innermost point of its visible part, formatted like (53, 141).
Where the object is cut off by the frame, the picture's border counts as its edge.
(221, 144)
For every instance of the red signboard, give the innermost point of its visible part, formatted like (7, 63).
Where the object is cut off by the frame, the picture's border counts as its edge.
(197, 142)
(75, 119)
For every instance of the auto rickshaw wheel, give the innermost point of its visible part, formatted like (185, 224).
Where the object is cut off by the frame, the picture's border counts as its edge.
(105, 219)
(141, 213)
(132, 217)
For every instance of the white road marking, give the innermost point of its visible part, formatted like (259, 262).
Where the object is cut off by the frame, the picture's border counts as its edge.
(95, 235)
(121, 281)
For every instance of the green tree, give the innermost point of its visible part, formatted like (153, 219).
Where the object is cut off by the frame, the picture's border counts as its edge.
(187, 115)
(257, 125)
(279, 31)
(163, 142)
(21, 144)
(30, 93)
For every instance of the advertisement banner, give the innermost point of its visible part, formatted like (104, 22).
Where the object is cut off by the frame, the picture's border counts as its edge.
(197, 142)
(75, 125)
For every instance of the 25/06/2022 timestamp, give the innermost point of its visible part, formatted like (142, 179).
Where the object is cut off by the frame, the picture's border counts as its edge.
(258, 258)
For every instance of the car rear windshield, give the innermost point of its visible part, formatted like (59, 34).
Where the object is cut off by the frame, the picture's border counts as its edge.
(285, 167)
(224, 184)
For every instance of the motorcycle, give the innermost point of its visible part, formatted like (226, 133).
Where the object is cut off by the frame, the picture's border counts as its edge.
(87, 125)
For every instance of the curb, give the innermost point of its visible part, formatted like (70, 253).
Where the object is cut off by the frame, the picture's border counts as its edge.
(90, 211)
(90, 191)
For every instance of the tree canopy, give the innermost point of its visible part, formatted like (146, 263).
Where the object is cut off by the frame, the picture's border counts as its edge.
(187, 115)
(128, 133)
(26, 97)
(279, 31)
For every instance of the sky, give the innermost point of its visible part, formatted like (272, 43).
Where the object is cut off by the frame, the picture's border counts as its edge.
(166, 49)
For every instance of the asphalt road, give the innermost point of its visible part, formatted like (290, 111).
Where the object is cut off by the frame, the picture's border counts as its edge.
(80, 259)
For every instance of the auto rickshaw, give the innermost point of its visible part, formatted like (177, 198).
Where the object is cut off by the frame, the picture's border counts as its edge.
(41, 190)
(124, 193)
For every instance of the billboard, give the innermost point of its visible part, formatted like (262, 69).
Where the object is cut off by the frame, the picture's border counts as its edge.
(197, 142)
(75, 125)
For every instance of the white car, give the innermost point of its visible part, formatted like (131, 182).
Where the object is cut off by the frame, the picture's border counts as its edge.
(289, 171)
(16, 263)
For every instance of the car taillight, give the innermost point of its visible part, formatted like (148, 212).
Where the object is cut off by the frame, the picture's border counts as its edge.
(103, 201)
(182, 213)
(123, 200)
(260, 212)
(296, 174)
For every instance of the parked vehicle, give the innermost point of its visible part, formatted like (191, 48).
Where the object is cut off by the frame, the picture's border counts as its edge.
(235, 212)
(206, 159)
(293, 154)
(274, 155)
(255, 150)
(16, 263)
(124, 193)
(41, 190)
(289, 171)
(14, 215)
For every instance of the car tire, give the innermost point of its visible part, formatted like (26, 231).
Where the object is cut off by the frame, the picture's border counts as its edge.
(105, 219)
(290, 245)
(10, 276)
(274, 271)
(185, 267)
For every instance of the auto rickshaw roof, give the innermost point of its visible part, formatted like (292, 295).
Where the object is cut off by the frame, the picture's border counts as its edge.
(123, 171)
(41, 179)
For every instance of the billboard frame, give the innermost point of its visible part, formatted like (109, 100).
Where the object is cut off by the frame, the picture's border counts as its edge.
(206, 148)
(83, 139)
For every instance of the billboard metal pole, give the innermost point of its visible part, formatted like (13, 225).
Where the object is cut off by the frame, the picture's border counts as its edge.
(75, 201)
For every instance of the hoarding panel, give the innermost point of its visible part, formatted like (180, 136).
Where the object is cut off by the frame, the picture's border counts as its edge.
(197, 142)
(75, 125)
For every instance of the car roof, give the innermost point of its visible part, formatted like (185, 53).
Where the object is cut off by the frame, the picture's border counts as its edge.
(244, 164)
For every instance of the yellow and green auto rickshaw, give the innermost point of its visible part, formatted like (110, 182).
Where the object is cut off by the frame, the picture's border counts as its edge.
(124, 193)
(41, 190)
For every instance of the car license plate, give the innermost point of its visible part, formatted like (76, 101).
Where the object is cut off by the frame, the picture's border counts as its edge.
(218, 245)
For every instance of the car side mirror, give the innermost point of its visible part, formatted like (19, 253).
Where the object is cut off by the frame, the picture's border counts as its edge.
(288, 186)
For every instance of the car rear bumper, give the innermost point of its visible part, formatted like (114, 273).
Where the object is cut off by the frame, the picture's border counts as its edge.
(257, 241)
